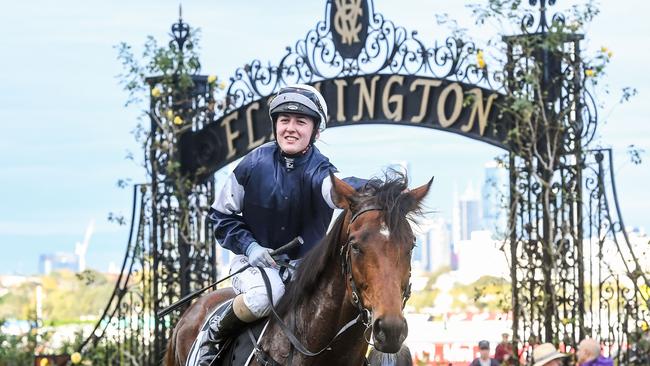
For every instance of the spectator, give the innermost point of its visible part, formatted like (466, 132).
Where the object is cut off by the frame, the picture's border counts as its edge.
(525, 352)
(546, 355)
(484, 359)
(589, 354)
(503, 353)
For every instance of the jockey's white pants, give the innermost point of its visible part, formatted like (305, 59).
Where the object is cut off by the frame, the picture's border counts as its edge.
(251, 284)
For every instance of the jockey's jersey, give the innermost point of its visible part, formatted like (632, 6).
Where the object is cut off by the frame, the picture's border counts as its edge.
(270, 199)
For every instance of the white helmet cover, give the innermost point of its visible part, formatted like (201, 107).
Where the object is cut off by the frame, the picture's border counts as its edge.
(300, 99)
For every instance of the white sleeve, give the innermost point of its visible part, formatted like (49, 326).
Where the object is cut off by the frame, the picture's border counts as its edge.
(326, 191)
(231, 197)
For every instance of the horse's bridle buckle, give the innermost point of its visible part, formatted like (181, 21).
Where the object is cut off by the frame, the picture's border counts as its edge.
(355, 298)
(367, 317)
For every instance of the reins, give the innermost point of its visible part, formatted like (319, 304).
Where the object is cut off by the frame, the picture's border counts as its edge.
(364, 316)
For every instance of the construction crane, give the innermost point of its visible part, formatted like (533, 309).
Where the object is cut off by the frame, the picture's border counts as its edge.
(81, 249)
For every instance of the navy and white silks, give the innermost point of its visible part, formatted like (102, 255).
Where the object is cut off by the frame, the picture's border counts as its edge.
(278, 198)
(269, 199)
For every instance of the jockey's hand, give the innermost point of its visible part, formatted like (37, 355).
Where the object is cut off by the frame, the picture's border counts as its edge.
(258, 256)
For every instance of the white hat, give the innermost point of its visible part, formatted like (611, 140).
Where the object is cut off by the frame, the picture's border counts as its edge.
(545, 353)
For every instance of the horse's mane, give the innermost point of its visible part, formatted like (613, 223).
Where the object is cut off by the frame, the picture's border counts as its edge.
(398, 209)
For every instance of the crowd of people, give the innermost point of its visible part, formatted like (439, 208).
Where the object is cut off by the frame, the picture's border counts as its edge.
(588, 354)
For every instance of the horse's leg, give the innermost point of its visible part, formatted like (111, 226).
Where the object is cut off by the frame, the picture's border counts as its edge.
(188, 326)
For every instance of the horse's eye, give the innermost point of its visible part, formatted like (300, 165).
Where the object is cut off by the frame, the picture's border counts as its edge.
(355, 248)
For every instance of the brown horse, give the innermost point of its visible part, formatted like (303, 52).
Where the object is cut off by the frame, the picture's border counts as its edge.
(362, 266)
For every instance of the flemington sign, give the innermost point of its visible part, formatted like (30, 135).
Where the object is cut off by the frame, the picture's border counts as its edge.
(369, 99)
(401, 88)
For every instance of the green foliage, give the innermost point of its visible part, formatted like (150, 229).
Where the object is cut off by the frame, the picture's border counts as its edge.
(66, 297)
(427, 297)
(17, 350)
(635, 154)
(172, 65)
(485, 294)
(167, 77)
(488, 293)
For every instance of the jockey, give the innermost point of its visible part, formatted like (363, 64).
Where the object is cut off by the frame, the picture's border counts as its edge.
(282, 190)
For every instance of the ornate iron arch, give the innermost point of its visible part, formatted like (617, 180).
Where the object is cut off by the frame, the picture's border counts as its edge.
(377, 47)
(553, 298)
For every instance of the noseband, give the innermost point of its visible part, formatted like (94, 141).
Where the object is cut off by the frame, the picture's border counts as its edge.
(346, 269)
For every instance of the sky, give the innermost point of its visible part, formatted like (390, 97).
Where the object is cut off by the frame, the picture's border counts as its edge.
(66, 131)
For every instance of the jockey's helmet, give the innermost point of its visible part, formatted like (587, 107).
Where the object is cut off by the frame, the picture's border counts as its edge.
(300, 99)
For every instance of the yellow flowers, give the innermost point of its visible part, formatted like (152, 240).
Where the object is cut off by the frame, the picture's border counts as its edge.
(177, 120)
(212, 79)
(44, 362)
(155, 92)
(222, 85)
(606, 51)
(480, 60)
(75, 358)
(590, 72)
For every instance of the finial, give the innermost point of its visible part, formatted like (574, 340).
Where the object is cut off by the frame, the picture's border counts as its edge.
(180, 30)
(543, 23)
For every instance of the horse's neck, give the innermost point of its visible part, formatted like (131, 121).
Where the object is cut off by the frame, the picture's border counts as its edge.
(317, 320)
(327, 308)
(322, 315)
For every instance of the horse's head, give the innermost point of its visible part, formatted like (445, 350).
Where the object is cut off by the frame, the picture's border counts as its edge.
(376, 253)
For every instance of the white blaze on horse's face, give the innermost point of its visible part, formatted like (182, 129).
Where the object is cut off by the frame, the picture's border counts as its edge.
(384, 231)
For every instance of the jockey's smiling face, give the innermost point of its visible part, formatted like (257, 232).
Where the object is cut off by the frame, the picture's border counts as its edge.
(294, 132)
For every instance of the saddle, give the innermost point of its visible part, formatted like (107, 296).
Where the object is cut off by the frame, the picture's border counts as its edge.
(240, 349)
(236, 351)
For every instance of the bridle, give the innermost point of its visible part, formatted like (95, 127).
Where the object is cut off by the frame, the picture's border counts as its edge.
(346, 269)
(364, 317)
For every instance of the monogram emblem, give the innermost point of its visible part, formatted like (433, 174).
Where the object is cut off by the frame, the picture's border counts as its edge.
(346, 20)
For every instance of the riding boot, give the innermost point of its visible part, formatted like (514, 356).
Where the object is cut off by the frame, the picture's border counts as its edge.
(221, 328)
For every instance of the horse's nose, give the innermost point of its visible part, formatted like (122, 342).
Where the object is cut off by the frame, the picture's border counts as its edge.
(389, 333)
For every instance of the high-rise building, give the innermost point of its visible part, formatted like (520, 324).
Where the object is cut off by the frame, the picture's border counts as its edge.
(495, 199)
(49, 263)
(432, 245)
(440, 254)
(469, 213)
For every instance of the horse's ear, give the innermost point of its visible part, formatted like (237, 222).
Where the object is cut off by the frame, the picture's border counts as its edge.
(420, 192)
(343, 194)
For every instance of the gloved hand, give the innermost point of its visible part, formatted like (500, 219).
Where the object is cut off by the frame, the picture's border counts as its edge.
(258, 256)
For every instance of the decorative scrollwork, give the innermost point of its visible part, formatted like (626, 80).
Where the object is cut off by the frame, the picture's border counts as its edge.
(561, 228)
(530, 24)
(388, 49)
(619, 305)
